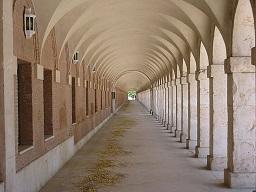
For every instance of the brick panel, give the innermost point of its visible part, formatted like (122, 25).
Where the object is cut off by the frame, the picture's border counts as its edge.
(47, 85)
(25, 126)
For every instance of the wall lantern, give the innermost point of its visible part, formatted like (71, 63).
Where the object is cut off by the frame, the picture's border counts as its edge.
(94, 70)
(75, 59)
(29, 23)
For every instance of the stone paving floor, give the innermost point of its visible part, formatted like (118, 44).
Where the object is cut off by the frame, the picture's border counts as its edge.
(157, 162)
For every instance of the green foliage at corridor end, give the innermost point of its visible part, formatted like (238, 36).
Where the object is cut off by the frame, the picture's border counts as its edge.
(131, 95)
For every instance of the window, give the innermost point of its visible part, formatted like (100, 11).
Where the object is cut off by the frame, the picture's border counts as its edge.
(113, 95)
(101, 100)
(47, 91)
(106, 100)
(87, 98)
(95, 100)
(73, 100)
(109, 99)
(25, 120)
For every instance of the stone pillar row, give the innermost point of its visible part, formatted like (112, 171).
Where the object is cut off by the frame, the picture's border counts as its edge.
(213, 112)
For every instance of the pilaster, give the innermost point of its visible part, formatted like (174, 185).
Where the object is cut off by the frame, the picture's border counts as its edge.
(178, 108)
(192, 102)
(202, 148)
(217, 160)
(170, 107)
(241, 171)
(174, 112)
(184, 132)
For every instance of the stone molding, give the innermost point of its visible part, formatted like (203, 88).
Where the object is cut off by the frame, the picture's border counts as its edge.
(69, 79)
(191, 77)
(184, 80)
(57, 76)
(239, 65)
(78, 82)
(39, 72)
(201, 75)
(215, 70)
(177, 82)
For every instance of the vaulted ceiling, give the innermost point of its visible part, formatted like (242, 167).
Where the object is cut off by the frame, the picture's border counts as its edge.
(135, 41)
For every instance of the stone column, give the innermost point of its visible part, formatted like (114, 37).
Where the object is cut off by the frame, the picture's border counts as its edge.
(160, 102)
(156, 101)
(151, 100)
(203, 139)
(217, 160)
(174, 103)
(170, 108)
(166, 104)
(178, 109)
(192, 102)
(184, 132)
(163, 104)
(241, 171)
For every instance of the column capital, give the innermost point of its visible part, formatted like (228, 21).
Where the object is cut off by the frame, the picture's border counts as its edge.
(177, 81)
(166, 85)
(191, 77)
(184, 80)
(239, 65)
(201, 74)
(173, 82)
(214, 70)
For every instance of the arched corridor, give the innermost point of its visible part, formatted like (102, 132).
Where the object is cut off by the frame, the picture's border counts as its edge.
(67, 66)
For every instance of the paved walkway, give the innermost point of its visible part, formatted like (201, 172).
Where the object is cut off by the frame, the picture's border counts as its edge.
(155, 161)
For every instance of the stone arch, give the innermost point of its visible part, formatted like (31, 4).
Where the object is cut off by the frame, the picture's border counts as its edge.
(130, 71)
(243, 30)
(219, 48)
(192, 64)
(184, 68)
(204, 59)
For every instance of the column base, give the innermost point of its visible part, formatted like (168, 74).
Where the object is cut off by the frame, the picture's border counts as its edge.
(216, 163)
(177, 133)
(239, 180)
(191, 144)
(164, 123)
(173, 129)
(202, 152)
(169, 127)
(183, 138)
